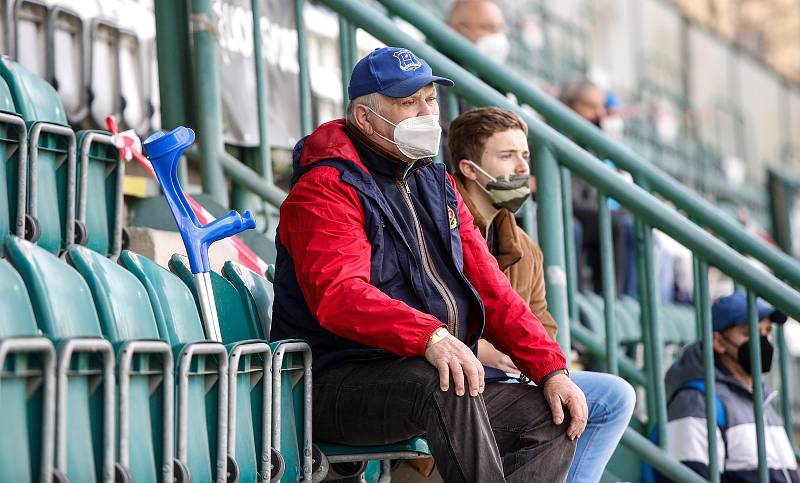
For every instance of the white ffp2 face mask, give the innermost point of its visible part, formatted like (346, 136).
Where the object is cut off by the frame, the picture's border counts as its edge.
(495, 46)
(416, 137)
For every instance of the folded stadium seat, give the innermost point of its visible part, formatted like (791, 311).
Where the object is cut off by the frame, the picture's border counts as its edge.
(30, 39)
(100, 192)
(202, 372)
(144, 366)
(13, 157)
(67, 61)
(678, 322)
(590, 306)
(630, 329)
(133, 83)
(256, 295)
(592, 315)
(250, 360)
(62, 304)
(669, 321)
(27, 387)
(635, 343)
(685, 319)
(631, 306)
(105, 97)
(51, 158)
(153, 95)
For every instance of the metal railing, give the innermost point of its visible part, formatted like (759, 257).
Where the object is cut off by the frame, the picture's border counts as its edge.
(190, 95)
(564, 120)
(557, 158)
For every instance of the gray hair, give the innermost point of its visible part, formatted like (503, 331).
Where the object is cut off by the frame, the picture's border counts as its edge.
(572, 90)
(373, 101)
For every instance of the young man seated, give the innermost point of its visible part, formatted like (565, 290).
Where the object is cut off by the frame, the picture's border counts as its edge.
(489, 147)
(736, 441)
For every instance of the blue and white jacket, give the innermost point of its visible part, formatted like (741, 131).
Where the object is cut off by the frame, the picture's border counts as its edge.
(736, 442)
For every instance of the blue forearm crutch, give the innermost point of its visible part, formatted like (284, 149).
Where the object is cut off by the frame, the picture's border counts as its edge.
(164, 151)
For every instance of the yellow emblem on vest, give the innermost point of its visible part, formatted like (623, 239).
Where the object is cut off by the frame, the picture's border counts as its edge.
(452, 216)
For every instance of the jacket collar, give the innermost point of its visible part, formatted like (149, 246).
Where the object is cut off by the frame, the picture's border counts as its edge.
(329, 141)
(338, 140)
(379, 160)
(507, 237)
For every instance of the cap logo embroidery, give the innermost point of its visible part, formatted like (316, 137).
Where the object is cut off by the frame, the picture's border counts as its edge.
(407, 60)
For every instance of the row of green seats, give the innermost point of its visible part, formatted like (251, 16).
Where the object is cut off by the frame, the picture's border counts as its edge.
(85, 392)
(56, 187)
(117, 330)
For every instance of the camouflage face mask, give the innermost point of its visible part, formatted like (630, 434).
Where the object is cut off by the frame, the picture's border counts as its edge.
(507, 191)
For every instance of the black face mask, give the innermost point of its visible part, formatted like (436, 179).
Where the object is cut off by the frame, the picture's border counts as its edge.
(767, 350)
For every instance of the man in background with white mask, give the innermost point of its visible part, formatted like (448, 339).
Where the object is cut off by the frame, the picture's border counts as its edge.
(381, 269)
(481, 22)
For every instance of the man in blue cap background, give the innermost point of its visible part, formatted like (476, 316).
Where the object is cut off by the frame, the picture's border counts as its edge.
(382, 270)
(736, 429)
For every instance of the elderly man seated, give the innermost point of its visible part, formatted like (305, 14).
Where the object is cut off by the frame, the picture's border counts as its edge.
(381, 268)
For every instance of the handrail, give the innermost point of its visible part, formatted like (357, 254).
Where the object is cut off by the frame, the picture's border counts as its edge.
(175, 45)
(634, 198)
(566, 121)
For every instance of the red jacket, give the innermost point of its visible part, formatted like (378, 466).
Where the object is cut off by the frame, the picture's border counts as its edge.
(324, 226)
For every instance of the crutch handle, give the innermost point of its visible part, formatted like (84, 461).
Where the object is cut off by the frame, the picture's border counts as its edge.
(164, 151)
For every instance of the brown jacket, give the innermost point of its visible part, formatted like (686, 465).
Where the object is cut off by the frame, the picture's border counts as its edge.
(519, 258)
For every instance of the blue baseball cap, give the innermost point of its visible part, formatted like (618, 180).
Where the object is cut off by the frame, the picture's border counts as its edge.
(392, 72)
(612, 101)
(732, 310)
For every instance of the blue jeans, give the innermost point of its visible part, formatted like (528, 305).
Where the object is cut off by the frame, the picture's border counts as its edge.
(611, 401)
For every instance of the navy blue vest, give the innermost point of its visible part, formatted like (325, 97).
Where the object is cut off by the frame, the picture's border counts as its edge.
(395, 267)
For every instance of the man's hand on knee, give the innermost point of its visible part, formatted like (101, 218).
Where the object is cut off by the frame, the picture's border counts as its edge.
(560, 391)
(451, 357)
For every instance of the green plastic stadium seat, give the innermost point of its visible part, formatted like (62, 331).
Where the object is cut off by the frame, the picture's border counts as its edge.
(27, 386)
(66, 42)
(630, 334)
(591, 311)
(202, 369)
(416, 447)
(101, 176)
(103, 79)
(13, 155)
(687, 325)
(250, 359)
(256, 295)
(62, 304)
(51, 156)
(144, 365)
(234, 323)
(133, 89)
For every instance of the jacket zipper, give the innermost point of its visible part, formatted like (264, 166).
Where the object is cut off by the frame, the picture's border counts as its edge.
(427, 265)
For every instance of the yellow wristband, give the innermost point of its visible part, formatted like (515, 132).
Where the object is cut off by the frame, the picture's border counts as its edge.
(440, 334)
